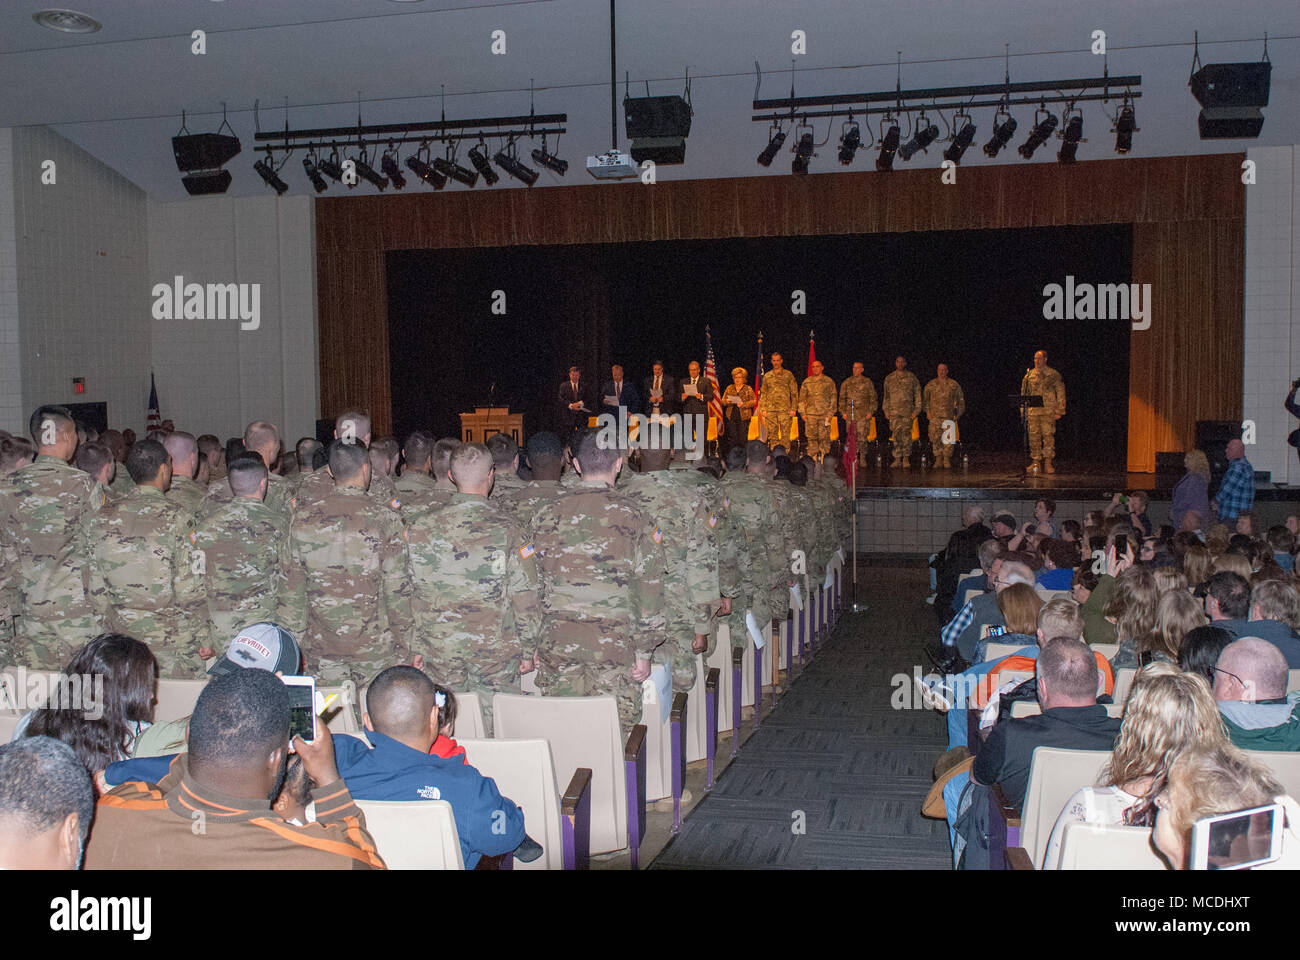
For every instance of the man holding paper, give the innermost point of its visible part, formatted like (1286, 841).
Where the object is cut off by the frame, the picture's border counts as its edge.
(660, 391)
(696, 392)
(618, 392)
(575, 402)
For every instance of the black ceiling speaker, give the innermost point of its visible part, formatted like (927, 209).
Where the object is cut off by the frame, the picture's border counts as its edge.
(204, 151)
(209, 181)
(658, 128)
(1231, 95)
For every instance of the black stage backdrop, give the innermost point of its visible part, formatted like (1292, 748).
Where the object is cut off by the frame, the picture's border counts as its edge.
(971, 299)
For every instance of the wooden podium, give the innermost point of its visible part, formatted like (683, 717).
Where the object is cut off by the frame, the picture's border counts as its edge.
(476, 427)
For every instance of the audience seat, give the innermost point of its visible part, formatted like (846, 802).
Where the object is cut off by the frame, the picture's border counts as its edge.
(1123, 683)
(1284, 765)
(696, 714)
(1292, 681)
(29, 693)
(469, 716)
(8, 723)
(584, 732)
(996, 651)
(344, 712)
(176, 699)
(721, 660)
(1093, 846)
(1107, 650)
(414, 834)
(528, 682)
(1049, 595)
(971, 594)
(1054, 775)
(1032, 708)
(524, 771)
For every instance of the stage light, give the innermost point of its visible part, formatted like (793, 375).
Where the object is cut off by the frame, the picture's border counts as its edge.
(512, 166)
(479, 159)
(267, 173)
(803, 152)
(367, 172)
(1038, 136)
(317, 181)
(960, 143)
(923, 139)
(1002, 134)
(332, 169)
(850, 140)
(425, 172)
(774, 144)
(455, 171)
(388, 164)
(888, 147)
(1124, 127)
(1070, 139)
(550, 161)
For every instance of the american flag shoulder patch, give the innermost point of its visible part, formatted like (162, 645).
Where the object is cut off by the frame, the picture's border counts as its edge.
(657, 536)
(526, 551)
(194, 537)
(726, 502)
(395, 503)
(713, 520)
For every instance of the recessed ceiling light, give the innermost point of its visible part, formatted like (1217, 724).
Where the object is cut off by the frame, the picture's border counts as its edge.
(66, 21)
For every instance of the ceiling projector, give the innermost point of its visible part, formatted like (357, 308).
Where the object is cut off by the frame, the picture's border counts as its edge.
(612, 165)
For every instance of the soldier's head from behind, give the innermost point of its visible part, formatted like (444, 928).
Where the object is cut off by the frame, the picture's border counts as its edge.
(46, 805)
(418, 451)
(900, 363)
(817, 368)
(401, 704)
(248, 477)
(184, 450)
(239, 735)
(97, 460)
(471, 469)
(442, 451)
(797, 474)
(858, 368)
(150, 465)
(353, 426)
(384, 452)
(942, 371)
(505, 452)
(262, 438)
(545, 456)
(16, 452)
(212, 457)
(114, 441)
(736, 457)
(596, 462)
(349, 465)
(305, 452)
(757, 457)
(54, 432)
(1040, 359)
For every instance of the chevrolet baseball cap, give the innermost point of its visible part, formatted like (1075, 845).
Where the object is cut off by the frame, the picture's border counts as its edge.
(260, 646)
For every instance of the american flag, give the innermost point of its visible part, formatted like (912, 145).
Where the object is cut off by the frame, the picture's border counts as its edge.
(758, 368)
(154, 420)
(711, 374)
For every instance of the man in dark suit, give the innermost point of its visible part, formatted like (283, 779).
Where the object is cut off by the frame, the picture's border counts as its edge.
(576, 402)
(695, 392)
(660, 395)
(622, 392)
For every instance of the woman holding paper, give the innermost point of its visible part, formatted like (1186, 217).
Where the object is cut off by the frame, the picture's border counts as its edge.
(737, 407)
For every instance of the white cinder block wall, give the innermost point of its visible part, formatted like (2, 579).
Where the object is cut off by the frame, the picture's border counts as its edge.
(79, 252)
(12, 417)
(212, 376)
(1272, 357)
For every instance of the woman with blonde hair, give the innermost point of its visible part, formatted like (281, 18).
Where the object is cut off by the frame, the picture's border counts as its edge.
(1234, 563)
(1216, 539)
(1197, 565)
(1170, 578)
(1192, 491)
(1132, 608)
(1168, 713)
(1177, 614)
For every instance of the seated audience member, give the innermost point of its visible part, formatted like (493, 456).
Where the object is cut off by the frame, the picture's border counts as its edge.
(963, 631)
(1171, 578)
(1245, 525)
(1177, 612)
(1203, 782)
(1044, 512)
(106, 703)
(1004, 527)
(1250, 683)
(1267, 612)
(1019, 605)
(1282, 541)
(1197, 565)
(235, 767)
(1200, 649)
(1058, 568)
(46, 805)
(1072, 718)
(959, 556)
(1233, 563)
(1131, 609)
(987, 552)
(1071, 531)
(1167, 713)
(401, 721)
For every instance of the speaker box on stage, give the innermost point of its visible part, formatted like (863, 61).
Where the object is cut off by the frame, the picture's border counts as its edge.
(1212, 438)
(1169, 468)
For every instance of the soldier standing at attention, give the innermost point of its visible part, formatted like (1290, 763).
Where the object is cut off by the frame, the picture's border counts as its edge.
(184, 491)
(352, 426)
(121, 485)
(902, 405)
(474, 591)
(943, 401)
(505, 460)
(817, 406)
(600, 566)
(143, 579)
(764, 561)
(1042, 381)
(348, 598)
(777, 401)
(44, 507)
(857, 404)
(443, 488)
(545, 454)
(245, 546)
(416, 485)
(261, 438)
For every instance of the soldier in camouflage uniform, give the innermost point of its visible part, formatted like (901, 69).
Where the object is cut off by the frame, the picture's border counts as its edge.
(143, 576)
(121, 484)
(261, 439)
(817, 406)
(415, 487)
(763, 560)
(599, 571)
(943, 401)
(352, 426)
(777, 400)
(348, 598)
(44, 509)
(727, 547)
(474, 587)
(185, 491)
(1042, 381)
(902, 405)
(857, 406)
(245, 548)
(546, 461)
(684, 514)
(505, 459)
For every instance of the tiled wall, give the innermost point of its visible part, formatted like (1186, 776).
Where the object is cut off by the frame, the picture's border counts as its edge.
(79, 249)
(12, 417)
(214, 377)
(1272, 294)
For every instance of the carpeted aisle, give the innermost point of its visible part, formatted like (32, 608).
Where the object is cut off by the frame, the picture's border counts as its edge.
(836, 751)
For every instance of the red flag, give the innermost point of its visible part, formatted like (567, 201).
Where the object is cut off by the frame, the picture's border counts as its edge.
(812, 352)
(850, 457)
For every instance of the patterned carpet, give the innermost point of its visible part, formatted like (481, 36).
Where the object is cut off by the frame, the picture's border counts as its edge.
(836, 751)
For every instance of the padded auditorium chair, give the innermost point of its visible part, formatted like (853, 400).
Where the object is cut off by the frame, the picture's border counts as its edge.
(344, 712)
(584, 732)
(1284, 765)
(665, 747)
(414, 834)
(1123, 683)
(1031, 708)
(1107, 650)
(469, 716)
(8, 724)
(28, 687)
(176, 699)
(1054, 775)
(996, 651)
(524, 771)
(1095, 846)
(1292, 681)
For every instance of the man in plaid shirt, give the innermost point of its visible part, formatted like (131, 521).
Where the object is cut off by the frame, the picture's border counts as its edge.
(1237, 491)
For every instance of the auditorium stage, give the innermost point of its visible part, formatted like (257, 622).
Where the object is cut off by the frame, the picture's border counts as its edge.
(913, 511)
